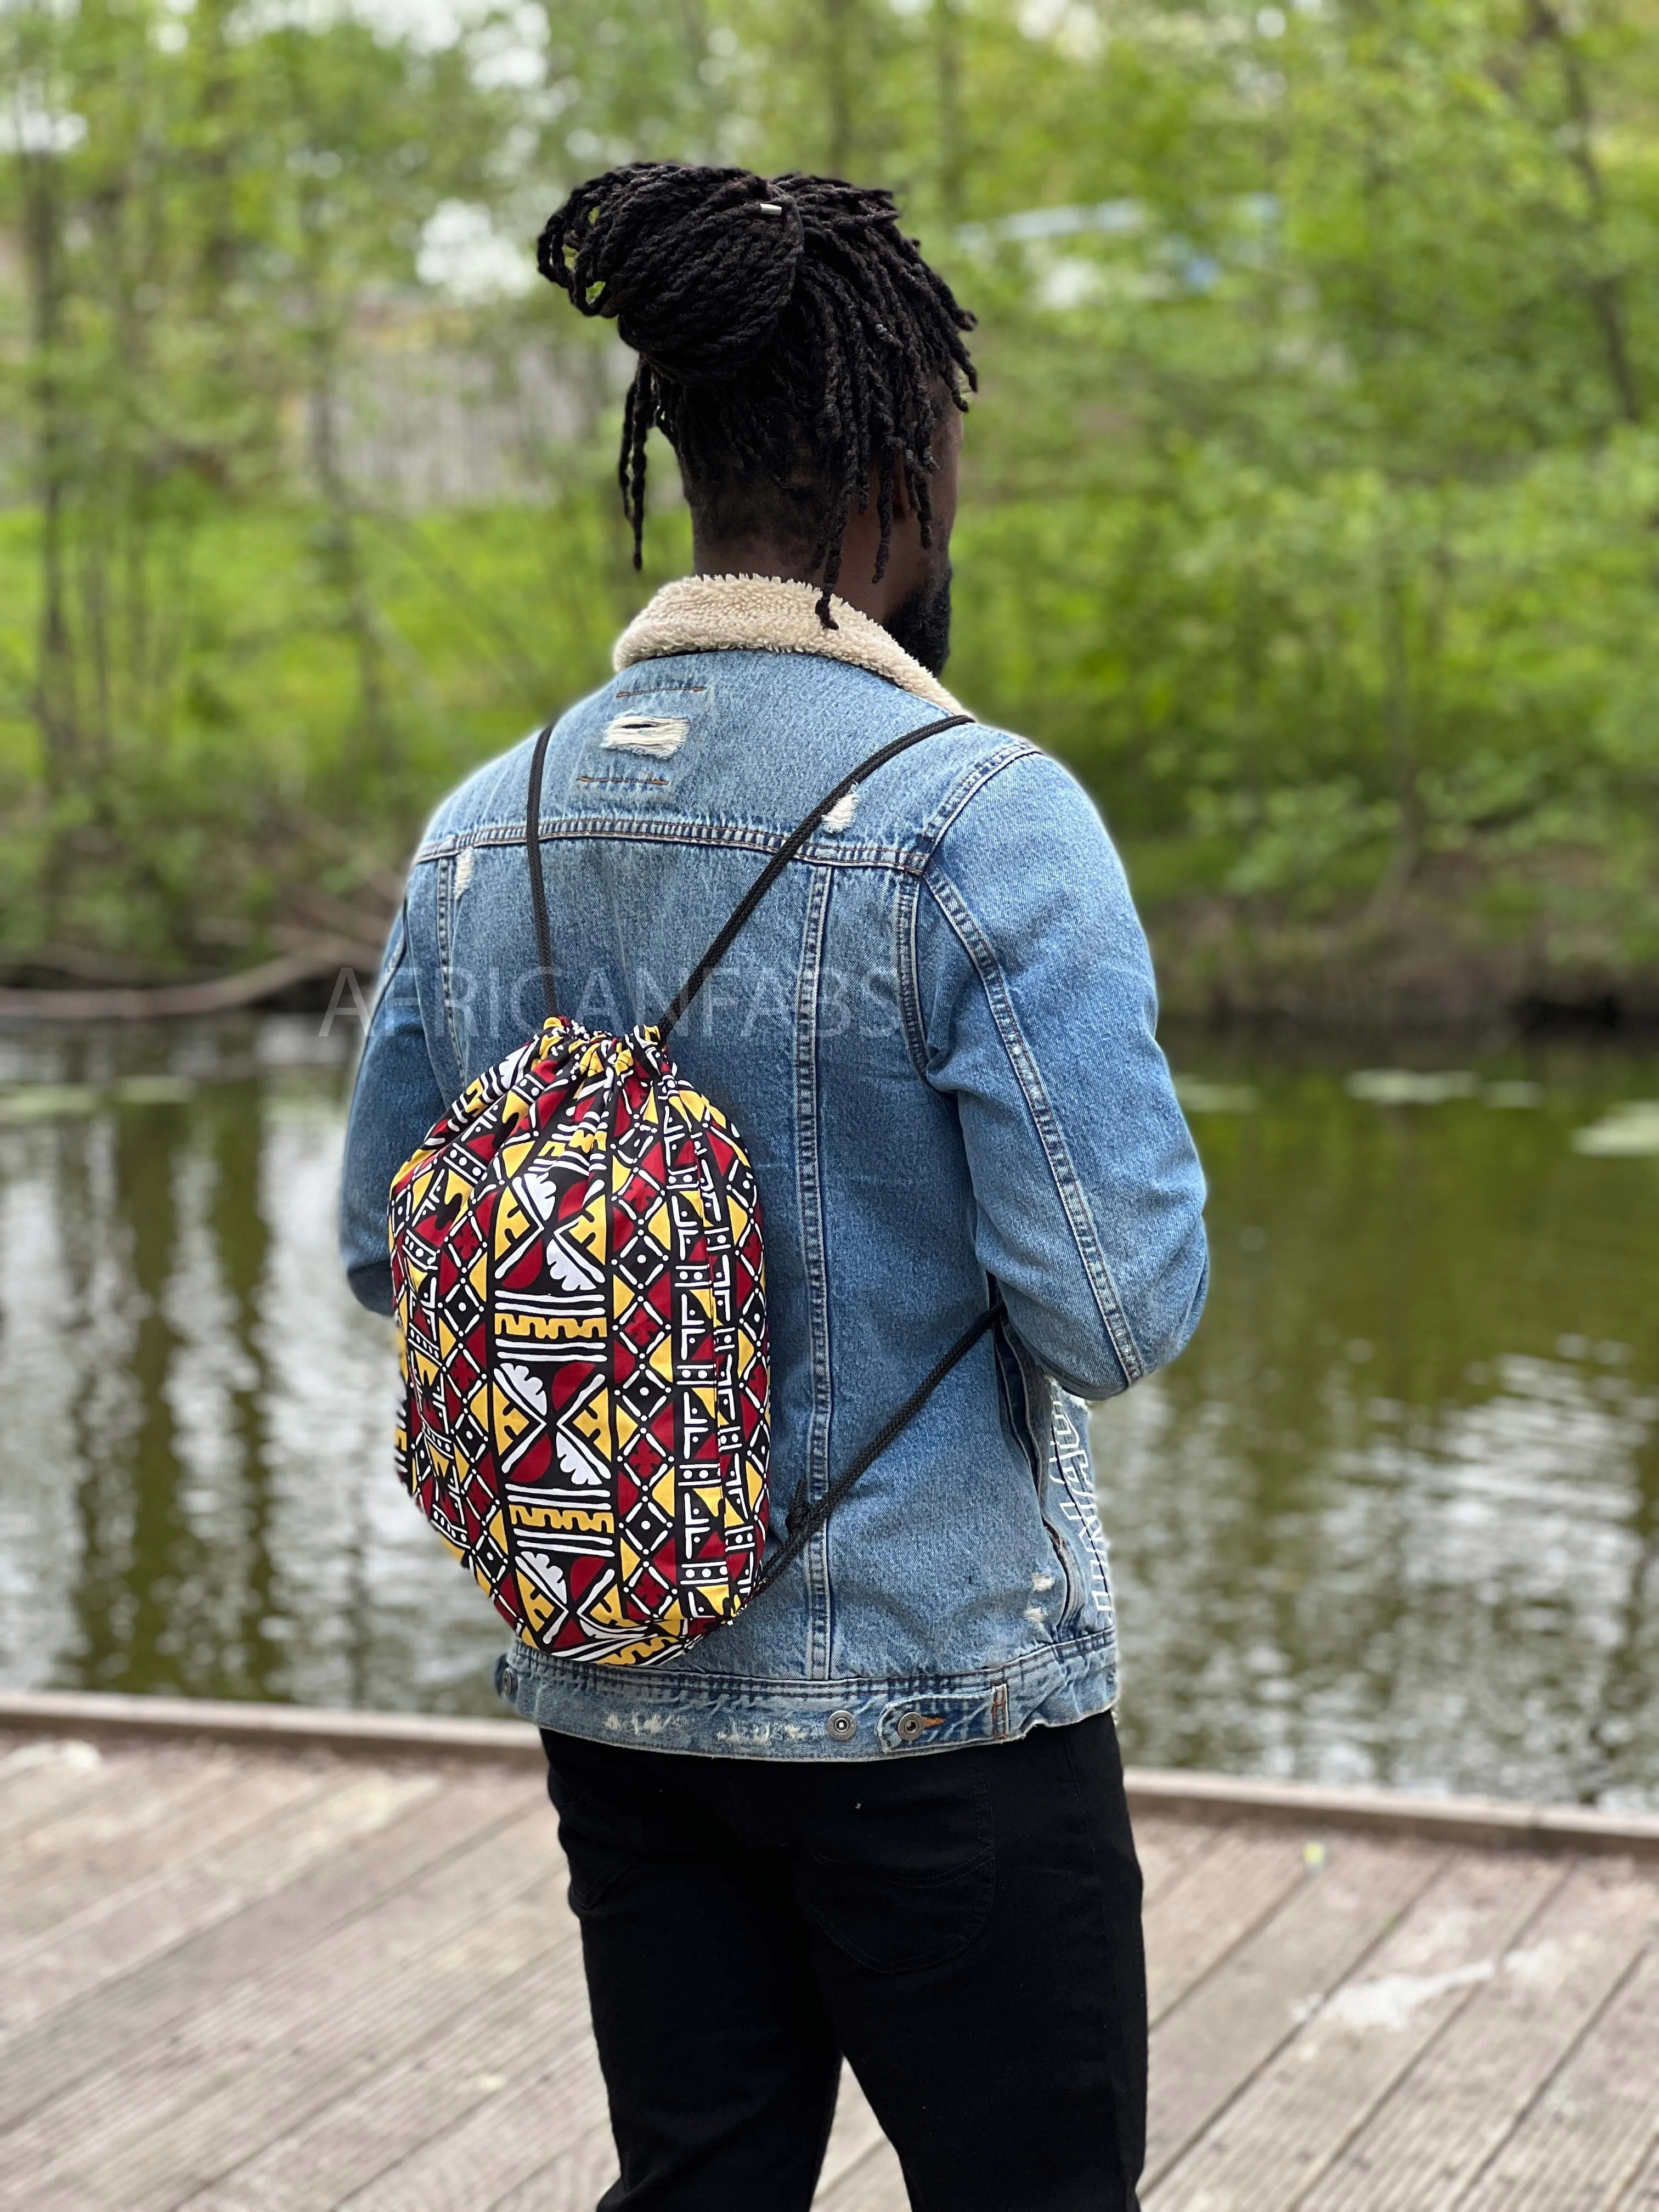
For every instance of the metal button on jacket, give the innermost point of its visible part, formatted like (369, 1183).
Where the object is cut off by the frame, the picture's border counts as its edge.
(843, 1726)
(910, 1727)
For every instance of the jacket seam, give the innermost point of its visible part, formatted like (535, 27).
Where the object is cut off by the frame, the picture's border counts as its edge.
(906, 973)
(912, 1019)
(680, 829)
(388, 975)
(445, 902)
(1073, 1197)
(968, 786)
(435, 1024)
(794, 1688)
(814, 1254)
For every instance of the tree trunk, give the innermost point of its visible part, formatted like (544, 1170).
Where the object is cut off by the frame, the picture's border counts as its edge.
(55, 706)
(841, 22)
(1604, 291)
(952, 156)
(343, 558)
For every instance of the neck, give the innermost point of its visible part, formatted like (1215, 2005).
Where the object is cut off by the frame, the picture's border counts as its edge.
(746, 613)
(754, 553)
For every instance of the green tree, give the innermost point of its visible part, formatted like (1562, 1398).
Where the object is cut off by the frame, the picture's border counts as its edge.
(1311, 485)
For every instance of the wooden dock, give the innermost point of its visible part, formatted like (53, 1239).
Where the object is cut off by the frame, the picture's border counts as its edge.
(253, 1960)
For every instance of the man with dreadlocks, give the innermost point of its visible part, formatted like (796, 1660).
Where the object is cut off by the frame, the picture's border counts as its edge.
(879, 1814)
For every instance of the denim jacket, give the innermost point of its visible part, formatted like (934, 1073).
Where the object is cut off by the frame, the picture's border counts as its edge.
(936, 1037)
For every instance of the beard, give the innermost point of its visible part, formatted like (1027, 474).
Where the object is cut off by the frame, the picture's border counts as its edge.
(922, 624)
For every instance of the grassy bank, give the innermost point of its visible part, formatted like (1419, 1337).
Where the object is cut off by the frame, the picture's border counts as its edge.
(273, 776)
(1311, 487)
(1220, 680)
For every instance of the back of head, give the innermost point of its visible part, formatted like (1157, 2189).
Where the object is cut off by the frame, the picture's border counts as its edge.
(793, 342)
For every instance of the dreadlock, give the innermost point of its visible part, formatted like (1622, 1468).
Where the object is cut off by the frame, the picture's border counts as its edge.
(789, 335)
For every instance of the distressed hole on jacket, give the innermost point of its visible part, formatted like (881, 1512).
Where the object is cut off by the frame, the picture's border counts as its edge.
(659, 735)
(621, 782)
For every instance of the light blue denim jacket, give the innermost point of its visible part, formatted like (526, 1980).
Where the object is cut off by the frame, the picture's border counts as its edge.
(936, 1036)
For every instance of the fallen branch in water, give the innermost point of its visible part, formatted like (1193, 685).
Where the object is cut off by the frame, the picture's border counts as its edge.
(217, 994)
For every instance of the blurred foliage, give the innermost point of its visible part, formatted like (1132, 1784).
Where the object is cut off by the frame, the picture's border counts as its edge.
(1311, 498)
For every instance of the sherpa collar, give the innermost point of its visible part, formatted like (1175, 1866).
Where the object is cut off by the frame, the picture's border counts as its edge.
(765, 614)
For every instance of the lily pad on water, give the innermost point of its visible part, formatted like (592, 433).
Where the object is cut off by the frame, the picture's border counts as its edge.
(1513, 1094)
(153, 1090)
(1405, 1086)
(1627, 1131)
(49, 1102)
(30, 1103)
(1198, 1096)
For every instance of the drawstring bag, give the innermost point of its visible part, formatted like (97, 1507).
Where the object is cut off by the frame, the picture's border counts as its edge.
(579, 1297)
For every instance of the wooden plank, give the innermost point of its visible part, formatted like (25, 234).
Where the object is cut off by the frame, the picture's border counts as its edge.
(306, 1815)
(1457, 2106)
(1466, 1823)
(1213, 1904)
(493, 2151)
(492, 2155)
(586, 2164)
(95, 2032)
(859, 2167)
(32, 1789)
(1276, 2139)
(1212, 1798)
(1231, 2024)
(263, 1969)
(111, 1718)
(493, 2161)
(1592, 2129)
(520, 2055)
(572, 2182)
(252, 2060)
(873, 2183)
(130, 1792)
(1643, 2194)
(1166, 1848)
(122, 1838)
(178, 1806)
(855, 2134)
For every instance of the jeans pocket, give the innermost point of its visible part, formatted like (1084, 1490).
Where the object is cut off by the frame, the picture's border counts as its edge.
(602, 1840)
(902, 1874)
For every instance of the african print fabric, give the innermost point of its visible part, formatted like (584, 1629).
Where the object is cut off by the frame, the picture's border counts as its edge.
(580, 1310)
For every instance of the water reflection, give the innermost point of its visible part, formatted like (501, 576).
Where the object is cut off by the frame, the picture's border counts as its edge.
(194, 1487)
(1394, 1518)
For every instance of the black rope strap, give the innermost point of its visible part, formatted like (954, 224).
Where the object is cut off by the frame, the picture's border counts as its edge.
(750, 899)
(801, 1533)
(532, 853)
(781, 859)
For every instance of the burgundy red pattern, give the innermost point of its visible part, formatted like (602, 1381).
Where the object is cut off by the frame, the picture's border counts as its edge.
(582, 1319)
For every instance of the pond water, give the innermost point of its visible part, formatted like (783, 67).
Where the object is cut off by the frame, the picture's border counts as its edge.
(1394, 1518)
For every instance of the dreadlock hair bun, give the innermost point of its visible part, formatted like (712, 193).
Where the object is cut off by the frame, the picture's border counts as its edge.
(790, 337)
(647, 244)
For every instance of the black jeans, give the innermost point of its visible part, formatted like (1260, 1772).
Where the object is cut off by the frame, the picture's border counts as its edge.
(965, 1926)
